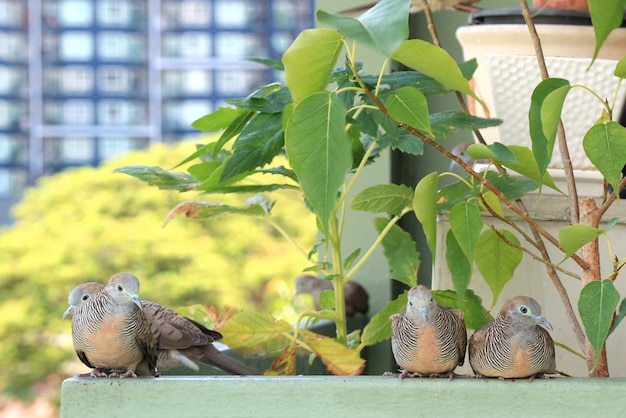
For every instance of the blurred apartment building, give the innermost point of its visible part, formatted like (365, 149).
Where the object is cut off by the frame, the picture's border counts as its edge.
(84, 80)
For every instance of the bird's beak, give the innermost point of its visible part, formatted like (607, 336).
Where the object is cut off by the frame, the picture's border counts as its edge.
(453, 165)
(424, 312)
(136, 300)
(68, 312)
(541, 321)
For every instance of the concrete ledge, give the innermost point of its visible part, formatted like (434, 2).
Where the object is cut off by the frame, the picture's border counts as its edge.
(333, 396)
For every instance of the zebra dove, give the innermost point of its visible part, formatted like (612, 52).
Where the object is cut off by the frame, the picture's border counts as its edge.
(515, 345)
(357, 299)
(428, 339)
(110, 330)
(179, 340)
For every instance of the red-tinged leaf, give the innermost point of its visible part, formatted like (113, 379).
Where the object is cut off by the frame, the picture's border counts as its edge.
(339, 359)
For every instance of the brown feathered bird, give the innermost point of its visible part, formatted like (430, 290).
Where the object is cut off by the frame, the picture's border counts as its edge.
(356, 297)
(110, 331)
(180, 340)
(515, 345)
(428, 339)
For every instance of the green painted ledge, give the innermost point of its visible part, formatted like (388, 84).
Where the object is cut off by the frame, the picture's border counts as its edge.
(333, 396)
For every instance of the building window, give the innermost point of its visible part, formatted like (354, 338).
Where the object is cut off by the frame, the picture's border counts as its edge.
(239, 82)
(187, 82)
(77, 112)
(240, 45)
(76, 46)
(77, 79)
(116, 12)
(12, 80)
(121, 46)
(121, 112)
(114, 79)
(12, 150)
(12, 12)
(232, 13)
(13, 46)
(12, 181)
(11, 111)
(195, 13)
(75, 12)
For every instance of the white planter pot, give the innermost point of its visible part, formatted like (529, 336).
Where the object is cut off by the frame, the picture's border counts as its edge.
(508, 72)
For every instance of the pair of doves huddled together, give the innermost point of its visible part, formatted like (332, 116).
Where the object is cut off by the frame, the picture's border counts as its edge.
(429, 339)
(118, 335)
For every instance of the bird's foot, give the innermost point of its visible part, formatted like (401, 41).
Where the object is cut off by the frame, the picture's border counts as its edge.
(403, 374)
(393, 374)
(123, 373)
(94, 373)
(538, 376)
(451, 375)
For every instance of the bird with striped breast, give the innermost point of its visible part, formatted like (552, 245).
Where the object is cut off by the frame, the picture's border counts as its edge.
(515, 345)
(110, 332)
(428, 339)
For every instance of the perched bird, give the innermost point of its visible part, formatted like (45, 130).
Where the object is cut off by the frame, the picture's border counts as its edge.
(357, 299)
(515, 345)
(180, 340)
(111, 333)
(418, 6)
(428, 339)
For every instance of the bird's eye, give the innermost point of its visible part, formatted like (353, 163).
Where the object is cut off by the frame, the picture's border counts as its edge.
(85, 297)
(120, 288)
(410, 303)
(431, 299)
(523, 309)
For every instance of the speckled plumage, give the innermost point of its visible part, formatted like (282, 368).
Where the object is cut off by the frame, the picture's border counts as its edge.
(110, 331)
(515, 345)
(428, 338)
(179, 340)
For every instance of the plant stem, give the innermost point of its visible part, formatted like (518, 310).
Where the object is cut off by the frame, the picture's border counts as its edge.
(338, 279)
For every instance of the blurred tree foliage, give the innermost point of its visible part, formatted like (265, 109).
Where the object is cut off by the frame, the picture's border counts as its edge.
(87, 223)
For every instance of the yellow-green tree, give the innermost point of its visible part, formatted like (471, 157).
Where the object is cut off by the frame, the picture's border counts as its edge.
(87, 223)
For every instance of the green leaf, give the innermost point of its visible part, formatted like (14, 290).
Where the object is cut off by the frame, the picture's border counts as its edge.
(274, 64)
(250, 328)
(383, 26)
(620, 68)
(403, 141)
(383, 198)
(596, 306)
(496, 152)
(434, 62)
(379, 327)
(163, 179)
(526, 165)
(458, 264)
(400, 252)
(202, 210)
(605, 145)
(338, 358)
(273, 103)
(472, 306)
(544, 116)
(220, 119)
(466, 224)
(573, 237)
(319, 150)
(408, 105)
(309, 61)
(347, 263)
(259, 142)
(425, 208)
(496, 260)
(605, 16)
(444, 124)
(621, 313)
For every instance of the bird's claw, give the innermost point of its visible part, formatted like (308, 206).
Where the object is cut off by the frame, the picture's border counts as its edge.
(94, 373)
(123, 374)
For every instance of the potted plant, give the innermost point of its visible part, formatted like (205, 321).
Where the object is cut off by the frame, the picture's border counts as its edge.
(329, 135)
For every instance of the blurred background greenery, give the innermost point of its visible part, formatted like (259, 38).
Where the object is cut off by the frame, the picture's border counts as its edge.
(87, 223)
